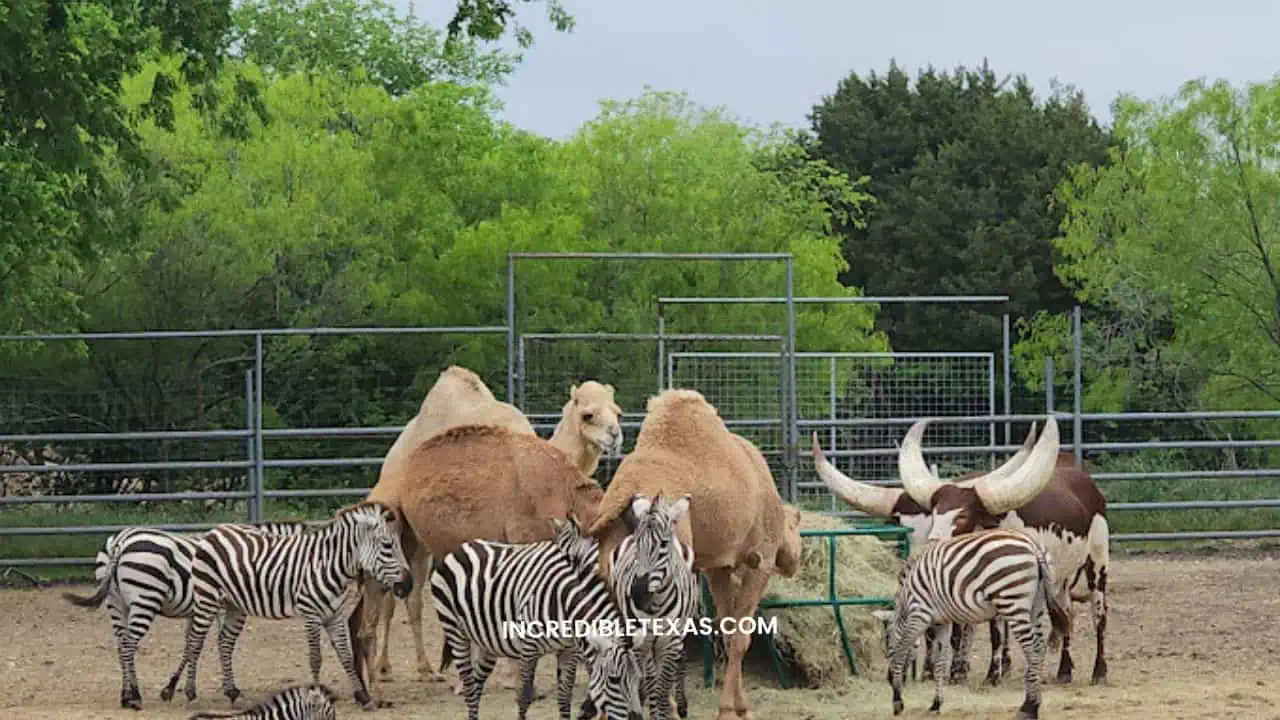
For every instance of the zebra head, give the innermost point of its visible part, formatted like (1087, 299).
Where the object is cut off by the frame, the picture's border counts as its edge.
(645, 560)
(319, 702)
(614, 677)
(583, 551)
(377, 544)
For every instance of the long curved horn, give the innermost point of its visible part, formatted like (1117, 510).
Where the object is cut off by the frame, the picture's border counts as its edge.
(1010, 465)
(1001, 494)
(870, 499)
(917, 479)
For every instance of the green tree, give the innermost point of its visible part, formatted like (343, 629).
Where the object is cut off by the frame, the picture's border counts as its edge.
(363, 39)
(962, 167)
(489, 19)
(1181, 230)
(61, 68)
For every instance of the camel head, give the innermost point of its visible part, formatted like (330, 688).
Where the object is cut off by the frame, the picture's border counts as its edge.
(594, 417)
(977, 501)
(614, 676)
(569, 539)
(375, 531)
(647, 559)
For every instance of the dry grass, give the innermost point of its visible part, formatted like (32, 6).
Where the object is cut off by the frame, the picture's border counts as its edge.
(809, 639)
(1188, 638)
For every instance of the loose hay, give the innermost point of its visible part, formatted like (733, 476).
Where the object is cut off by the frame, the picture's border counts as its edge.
(808, 638)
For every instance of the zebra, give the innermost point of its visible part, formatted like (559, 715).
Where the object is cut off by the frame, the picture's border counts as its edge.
(653, 579)
(970, 579)
(309, 574)
(485, 590)
(143, 572)
(299, 702)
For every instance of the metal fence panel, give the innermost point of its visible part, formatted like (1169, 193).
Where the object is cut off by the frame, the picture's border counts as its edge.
(833, 386)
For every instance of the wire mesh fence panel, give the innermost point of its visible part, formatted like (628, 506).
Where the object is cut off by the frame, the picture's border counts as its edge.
(748, 391)
(839, 386)
(549, 364)
(117, 385)
(356, 380)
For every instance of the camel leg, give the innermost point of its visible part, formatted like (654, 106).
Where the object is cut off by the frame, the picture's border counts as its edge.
(737, 603)
(420, 568)
(366, 639)
(386, 611)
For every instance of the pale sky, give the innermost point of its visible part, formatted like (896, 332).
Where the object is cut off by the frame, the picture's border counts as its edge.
(773, 60)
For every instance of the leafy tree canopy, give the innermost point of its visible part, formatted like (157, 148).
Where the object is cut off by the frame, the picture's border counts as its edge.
(962, 166)
(1175, 242)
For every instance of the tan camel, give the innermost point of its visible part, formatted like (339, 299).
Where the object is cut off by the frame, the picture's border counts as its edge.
(742, 532)
(588, 427)
(483, 482)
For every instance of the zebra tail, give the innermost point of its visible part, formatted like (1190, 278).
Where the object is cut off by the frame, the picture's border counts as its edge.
(213, 714)
(105, 573)
(1059, 616)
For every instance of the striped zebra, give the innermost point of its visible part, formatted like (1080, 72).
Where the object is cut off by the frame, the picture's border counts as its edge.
(486, 592)
(970, 579)
(310, 574)
(300, 702)
(141, 573)
(653, 579)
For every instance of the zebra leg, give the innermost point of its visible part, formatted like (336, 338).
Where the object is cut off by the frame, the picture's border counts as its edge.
(668, 652)
(566, 674)
(129, 625)
(232, 626)
(524, 697)
(898, 654)
(480, 671)
(1032, 641)
(197, 628)
(682, 698)
(961, 643)
(314, 655)
(460, 650)
(999, 652)
(942, 662)
(926, 673)
(339, 636)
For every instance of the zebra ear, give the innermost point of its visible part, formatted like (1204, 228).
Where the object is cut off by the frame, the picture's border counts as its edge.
(640, 506)
(677, 509)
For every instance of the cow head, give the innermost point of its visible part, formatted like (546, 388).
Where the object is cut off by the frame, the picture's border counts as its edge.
(977, 501)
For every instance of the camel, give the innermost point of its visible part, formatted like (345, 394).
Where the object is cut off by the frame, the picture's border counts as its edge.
(741, 531)
(588, 428)
(483, 482)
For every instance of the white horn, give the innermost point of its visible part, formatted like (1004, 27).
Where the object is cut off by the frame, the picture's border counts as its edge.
(1001, 494)
(1011, 464)
(870, 499)
(916, 478)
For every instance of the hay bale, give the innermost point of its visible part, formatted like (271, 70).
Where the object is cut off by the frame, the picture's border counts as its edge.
(808, 638)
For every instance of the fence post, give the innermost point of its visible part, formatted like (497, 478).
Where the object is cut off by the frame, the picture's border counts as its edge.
(662, 348)
(250, 471)
(1077, 410)
(1008, 381)
(1048, 384)
(794, 429)
(511, 330)
(260, 479)
(832, 389)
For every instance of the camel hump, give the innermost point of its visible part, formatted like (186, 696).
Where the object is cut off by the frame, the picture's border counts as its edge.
(458, 433)
(676, 399)
(466, 377)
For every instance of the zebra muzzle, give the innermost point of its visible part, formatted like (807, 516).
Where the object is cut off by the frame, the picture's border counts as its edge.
(404, 587)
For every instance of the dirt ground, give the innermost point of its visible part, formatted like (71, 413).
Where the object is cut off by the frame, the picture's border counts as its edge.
(1188, 637)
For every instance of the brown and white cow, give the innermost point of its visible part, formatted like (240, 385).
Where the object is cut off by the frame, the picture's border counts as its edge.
(1039, 491)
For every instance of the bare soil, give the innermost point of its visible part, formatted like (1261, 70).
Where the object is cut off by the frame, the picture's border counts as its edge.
(1188, 637)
